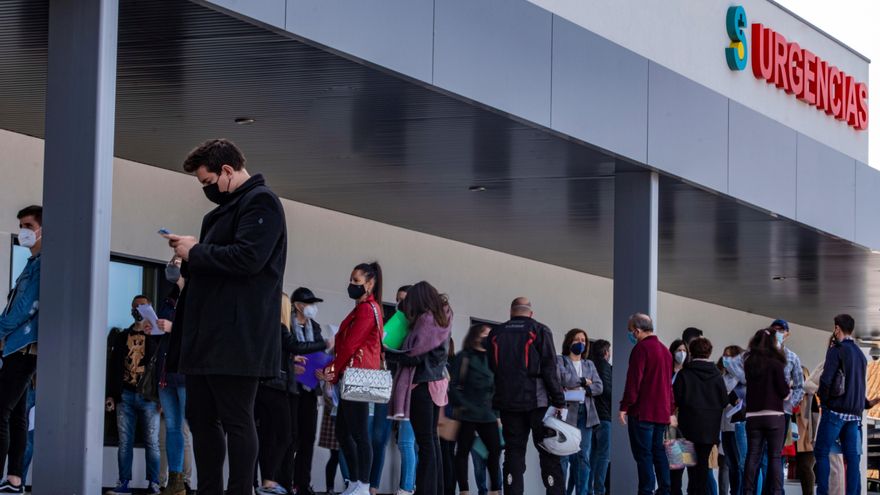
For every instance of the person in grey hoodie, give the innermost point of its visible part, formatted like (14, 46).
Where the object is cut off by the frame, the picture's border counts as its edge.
(579, 374)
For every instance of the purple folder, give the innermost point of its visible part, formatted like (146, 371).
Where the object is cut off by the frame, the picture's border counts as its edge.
(315, 361)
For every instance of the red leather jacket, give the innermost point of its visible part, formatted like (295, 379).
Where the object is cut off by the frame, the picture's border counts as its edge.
(359, 341)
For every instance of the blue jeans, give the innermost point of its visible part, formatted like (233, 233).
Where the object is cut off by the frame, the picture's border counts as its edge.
(29, 449)
(832, 428)
(578, 475)
(646, 443)
(406, 443)
(173, 400)
(600, 459)
(735, 445)
(132, 408)
(380, 432)
(480, 473)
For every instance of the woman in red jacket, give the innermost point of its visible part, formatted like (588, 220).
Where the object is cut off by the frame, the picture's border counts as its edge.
(358, 345)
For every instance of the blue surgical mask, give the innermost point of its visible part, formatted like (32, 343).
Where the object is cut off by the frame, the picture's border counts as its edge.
(578, 348)
(725, 361)
(632, 338)
(780, 337)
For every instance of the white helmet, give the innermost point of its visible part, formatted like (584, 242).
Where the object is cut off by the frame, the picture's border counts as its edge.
(565, 442)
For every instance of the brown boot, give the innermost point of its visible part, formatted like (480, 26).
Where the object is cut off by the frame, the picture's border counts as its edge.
(175, 486)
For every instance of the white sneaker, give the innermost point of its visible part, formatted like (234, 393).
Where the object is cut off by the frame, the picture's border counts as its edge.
(401, 491)
(362, 489)
(351, 488)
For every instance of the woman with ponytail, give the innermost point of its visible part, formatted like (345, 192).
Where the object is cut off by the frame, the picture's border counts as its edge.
(358, 345)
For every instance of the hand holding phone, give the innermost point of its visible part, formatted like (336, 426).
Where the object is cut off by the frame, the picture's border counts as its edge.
(164, 231)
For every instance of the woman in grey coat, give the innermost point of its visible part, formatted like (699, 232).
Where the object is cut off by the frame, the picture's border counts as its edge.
(581, 382)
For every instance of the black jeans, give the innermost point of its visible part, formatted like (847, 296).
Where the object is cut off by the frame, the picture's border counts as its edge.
(761, 429)
(517, 427)
(424, 415)
(698, 475)
(17, 371)
(302, 453)
(220, 411)
(275, 418)
(352, 432)
(489, 435)
(805, 463)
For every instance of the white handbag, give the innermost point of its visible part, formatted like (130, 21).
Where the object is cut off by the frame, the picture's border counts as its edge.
(363, 384)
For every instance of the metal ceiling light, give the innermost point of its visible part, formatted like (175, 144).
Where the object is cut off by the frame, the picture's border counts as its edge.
(245, 120)
(477, 188)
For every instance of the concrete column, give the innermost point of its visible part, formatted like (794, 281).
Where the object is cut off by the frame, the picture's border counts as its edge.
(77, 188)
(635, 290)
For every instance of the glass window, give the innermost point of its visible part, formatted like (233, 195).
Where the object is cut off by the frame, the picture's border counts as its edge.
(20, 256)
(126, 281)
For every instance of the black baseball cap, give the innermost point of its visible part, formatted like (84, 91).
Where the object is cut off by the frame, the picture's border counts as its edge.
(305, 295)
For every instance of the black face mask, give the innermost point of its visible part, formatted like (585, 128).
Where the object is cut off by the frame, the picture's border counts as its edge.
(172, 273)
(136, 315)
(356, 291)
(214, 195)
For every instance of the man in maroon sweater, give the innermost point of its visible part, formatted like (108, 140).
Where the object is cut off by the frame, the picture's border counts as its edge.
(646, 406)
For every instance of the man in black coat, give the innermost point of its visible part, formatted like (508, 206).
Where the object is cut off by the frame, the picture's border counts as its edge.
(230, 312)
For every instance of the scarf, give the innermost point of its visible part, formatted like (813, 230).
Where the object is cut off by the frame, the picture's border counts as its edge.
(425, 336)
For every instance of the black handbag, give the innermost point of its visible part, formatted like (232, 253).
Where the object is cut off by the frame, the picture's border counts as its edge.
(148, 385)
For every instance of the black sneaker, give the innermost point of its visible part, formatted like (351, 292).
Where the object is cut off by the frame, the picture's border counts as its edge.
(7, 487)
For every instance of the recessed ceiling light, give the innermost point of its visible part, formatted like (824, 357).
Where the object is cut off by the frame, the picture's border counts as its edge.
(244, 120)
(477, 188)
(778, 277)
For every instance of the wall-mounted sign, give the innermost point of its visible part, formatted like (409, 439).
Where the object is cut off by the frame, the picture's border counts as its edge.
(796, 70)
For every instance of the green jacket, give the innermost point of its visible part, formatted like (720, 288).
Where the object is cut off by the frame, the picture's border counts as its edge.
(471, 388)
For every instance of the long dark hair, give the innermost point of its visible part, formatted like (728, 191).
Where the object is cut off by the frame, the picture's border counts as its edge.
(473, 337)
(423, 298)
(762, 348)
(372, 271)
(569, 340)
(598, 350)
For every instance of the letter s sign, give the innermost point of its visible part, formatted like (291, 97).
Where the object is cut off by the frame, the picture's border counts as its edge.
(738, 51)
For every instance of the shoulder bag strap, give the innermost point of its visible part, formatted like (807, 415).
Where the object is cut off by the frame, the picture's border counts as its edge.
(379, 331)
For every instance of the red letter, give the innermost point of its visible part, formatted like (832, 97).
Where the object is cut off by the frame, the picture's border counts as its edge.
(795, 69)
(780, 53)
(822, 85)
(762, 52)
(851, 112)
(862, 91)
(808, 90)
(835, 92)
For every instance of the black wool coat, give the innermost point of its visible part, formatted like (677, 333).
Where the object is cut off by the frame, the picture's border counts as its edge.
(231, 305)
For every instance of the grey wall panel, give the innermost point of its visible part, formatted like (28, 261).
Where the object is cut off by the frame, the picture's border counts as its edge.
(687, 129)
(600, 91)
(496, 52)
(825, 188)
(396, 34)
(269, 11)
(763, 161)
(867, 206)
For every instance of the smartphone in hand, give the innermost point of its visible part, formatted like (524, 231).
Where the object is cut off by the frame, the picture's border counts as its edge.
(164, 231)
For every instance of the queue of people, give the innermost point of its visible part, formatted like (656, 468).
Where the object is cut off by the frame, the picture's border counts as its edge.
(237, 370)
(746, 405)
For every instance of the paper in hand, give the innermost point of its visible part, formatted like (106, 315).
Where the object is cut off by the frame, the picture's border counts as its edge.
(149, 314)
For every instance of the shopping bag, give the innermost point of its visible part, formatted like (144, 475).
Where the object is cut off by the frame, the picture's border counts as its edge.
(680, 453)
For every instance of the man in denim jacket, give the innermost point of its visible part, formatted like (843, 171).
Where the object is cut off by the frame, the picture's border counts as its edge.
(18, 333)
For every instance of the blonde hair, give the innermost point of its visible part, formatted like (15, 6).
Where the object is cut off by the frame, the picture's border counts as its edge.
(286, 309)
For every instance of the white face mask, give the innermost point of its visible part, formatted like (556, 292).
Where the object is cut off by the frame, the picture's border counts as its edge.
(27, 238)
(680, 356)
(310, 311)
